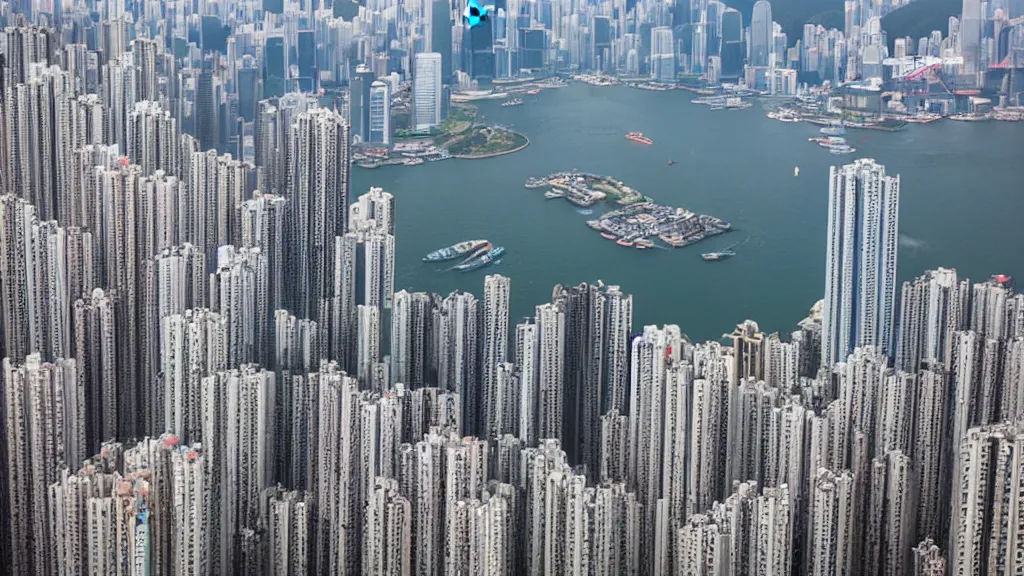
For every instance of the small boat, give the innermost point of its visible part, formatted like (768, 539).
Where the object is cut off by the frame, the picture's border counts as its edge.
(796, 171)
(639, 138)
(512, 102)
(624, 242)
(585, 211)
(609, 235)
(835, 129)
(454, 251)
(721, 255)
(671, 162)
(553, 193)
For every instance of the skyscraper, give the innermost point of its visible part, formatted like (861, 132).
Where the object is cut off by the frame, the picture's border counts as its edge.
(193, 345)
(831, 543)
(860, 265)
(413, 360)
(387, 534)
(441, 35)
(527, 360)
(663, 63)
(426, 91)
(495, 348)
(44, 432)
(380, 114)
(761, 36)
(932, 308)
(550, 370)
(478, 45)
(373, 212)
(359, 102)
(748, 351)
(238, 289)
(651, 395)
(290, 532)
(96, 357)
(262, 225)
(318, 191)
(458, 326)
(972, 22)
(152, 138)
(986, 500)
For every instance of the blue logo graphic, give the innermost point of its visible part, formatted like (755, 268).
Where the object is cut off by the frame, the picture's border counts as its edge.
(475, 14)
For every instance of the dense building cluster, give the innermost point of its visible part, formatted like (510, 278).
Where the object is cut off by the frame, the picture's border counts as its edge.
(207, 368)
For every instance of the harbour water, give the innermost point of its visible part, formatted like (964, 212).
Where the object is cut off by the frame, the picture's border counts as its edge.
(962, 197)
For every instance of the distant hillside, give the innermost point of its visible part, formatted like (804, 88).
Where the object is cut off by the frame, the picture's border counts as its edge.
(793, 14)
(919, 18)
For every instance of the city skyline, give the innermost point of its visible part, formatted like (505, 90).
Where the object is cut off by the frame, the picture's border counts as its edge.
(664, 434)
(208, 367)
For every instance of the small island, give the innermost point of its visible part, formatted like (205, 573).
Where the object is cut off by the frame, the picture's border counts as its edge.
(633, 226)
(586, 189)
(638, 220)
(487, 142)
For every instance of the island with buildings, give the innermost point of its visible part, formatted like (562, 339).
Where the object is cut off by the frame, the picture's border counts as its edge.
(633, 226)
(586, 190)
(638, 220)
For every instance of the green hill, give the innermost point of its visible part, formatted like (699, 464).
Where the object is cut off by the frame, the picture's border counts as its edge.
(793, 14)
(919, 18)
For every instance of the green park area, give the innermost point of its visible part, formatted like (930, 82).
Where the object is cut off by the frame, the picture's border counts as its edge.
(485, 141)
(617, 191)
(460, 120)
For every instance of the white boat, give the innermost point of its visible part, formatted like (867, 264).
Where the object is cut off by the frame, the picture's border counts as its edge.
(835, 129)
(796, 171)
